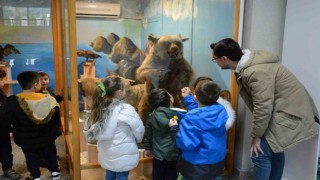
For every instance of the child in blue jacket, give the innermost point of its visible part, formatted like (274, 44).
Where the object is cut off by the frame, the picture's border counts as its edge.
(201, 135)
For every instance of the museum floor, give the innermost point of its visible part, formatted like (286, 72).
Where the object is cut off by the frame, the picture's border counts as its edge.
(93, 174)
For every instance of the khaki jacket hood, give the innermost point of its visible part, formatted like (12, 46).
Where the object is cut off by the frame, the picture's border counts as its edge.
(37, 106)
(264, 58)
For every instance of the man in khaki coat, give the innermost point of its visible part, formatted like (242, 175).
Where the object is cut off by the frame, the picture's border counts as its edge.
(284, 114)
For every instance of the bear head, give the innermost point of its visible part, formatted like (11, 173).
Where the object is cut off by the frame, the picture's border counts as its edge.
(168, 46)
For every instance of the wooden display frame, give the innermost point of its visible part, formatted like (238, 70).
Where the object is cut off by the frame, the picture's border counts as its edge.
(70, 108)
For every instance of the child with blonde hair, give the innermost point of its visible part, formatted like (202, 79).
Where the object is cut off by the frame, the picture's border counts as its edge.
(116, 127)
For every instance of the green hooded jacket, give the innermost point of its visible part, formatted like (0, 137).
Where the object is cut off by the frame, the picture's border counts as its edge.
(158, 139)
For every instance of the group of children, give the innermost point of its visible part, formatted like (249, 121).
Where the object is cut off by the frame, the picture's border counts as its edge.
(33, 118)
(191, 142)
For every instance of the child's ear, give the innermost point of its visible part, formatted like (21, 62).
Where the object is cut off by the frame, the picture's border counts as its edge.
(195, 97)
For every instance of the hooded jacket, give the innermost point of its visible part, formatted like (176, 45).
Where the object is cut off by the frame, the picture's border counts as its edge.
(158, 138)
(30, 116)
(117, 133)
(282, 109)
(202, 135)
(190, 103)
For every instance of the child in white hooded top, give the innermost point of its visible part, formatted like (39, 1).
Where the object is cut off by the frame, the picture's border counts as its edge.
(116, 127)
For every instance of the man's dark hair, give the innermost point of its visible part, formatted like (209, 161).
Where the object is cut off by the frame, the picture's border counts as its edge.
(227, 47)
(158, 98)
(27, 79)
(207, 92)
(2, 73)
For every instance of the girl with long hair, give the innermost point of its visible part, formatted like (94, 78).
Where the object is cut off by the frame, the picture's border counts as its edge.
(116, 127)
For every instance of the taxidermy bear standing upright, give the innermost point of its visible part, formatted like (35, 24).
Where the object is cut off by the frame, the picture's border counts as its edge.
(166, 67)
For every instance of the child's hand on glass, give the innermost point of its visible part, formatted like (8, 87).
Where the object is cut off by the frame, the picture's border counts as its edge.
(185, 91)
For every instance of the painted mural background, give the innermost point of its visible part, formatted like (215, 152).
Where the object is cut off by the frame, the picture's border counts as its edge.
(203, 22)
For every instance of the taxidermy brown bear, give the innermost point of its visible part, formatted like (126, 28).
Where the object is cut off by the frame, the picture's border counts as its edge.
(127, 56)
(166, 67)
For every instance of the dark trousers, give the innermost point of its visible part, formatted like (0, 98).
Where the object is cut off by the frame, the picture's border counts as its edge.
(6, 156)
(33, 158)
(164, 170)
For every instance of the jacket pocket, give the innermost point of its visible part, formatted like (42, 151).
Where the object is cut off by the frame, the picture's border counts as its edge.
(286, 128)
(287, 120)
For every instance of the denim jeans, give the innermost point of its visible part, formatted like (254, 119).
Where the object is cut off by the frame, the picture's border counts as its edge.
(268, 166)
(111, 175)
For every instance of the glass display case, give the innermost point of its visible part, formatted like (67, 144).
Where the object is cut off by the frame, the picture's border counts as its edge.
(69, 34)
(83, 160)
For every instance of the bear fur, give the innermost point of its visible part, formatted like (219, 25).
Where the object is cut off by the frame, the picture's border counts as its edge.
(102, 44)
(127, 56)
(166, 66)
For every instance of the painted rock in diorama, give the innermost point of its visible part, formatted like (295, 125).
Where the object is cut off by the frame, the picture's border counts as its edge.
(166, 66)
(102, 44)
(127, 56)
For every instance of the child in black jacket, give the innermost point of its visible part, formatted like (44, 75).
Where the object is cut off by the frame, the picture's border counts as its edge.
(6, 156)
(34, 129)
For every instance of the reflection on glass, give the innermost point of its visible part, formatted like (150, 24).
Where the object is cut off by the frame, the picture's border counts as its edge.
(26, 16)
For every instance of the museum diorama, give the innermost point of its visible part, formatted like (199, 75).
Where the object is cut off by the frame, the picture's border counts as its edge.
(150, 44)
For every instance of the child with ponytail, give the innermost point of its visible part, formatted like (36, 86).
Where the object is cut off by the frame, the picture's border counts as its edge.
(116, 127)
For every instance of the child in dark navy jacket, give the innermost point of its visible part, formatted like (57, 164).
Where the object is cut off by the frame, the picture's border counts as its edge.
(201, 135)
(34, 129)
(6, 156)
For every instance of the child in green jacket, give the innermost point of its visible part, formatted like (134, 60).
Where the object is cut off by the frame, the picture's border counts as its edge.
(158, 142)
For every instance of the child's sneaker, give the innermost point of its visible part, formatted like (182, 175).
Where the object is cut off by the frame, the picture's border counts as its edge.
(11, 174)
(55, 175)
